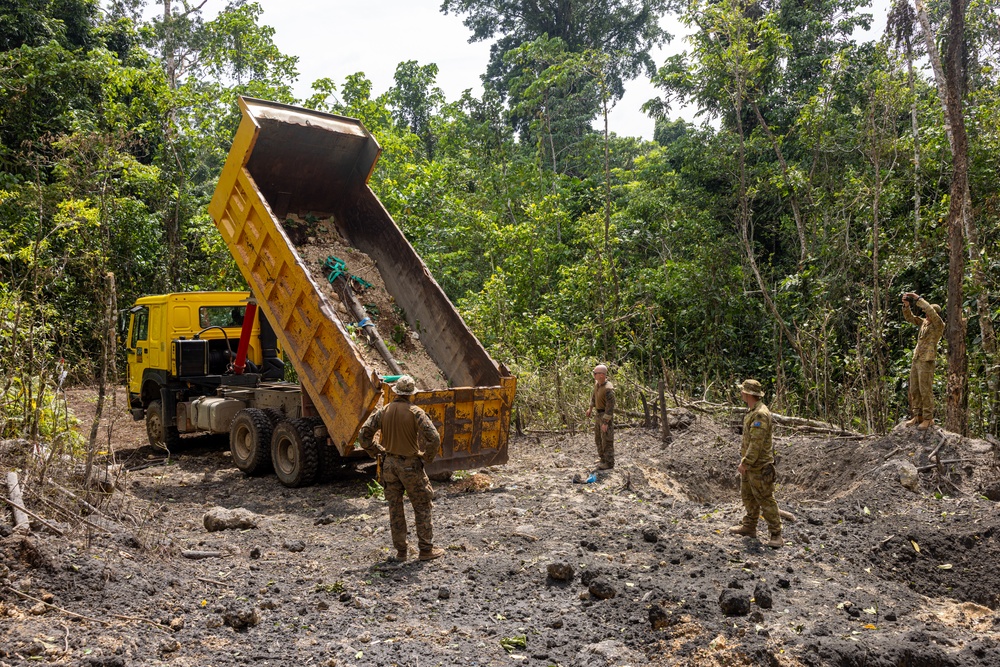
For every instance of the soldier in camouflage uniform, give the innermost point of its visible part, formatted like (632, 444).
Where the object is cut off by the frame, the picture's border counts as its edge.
(403, 427)
(922, 369)
(602, 405)
(757, 472)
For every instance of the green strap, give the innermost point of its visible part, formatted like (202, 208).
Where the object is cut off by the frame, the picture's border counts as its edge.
(338, 268)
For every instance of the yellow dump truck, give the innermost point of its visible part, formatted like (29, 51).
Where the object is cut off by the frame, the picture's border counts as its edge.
(287, 161)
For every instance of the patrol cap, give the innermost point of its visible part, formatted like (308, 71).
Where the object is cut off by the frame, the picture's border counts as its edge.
(405, 386)
(751, 387)
(599, 368)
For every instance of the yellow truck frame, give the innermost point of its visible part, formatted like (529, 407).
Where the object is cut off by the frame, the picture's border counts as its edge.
(287, 160)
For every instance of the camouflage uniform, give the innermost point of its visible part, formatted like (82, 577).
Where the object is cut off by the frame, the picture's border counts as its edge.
(757, 485)
(602, 402)
(921, 393)
(403, 426)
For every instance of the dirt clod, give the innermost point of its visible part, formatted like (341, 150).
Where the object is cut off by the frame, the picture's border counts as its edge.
(734, 602)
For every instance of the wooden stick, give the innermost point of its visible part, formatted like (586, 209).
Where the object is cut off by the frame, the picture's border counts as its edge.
(213, 581)
(76, 516)
(141, 620)
(941, 442)
(59, 609)
(79, 500)
(17, 502)
(197, 555)
(35, 516)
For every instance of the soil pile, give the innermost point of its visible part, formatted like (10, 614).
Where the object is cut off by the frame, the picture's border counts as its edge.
(320, 245)
(635, 568)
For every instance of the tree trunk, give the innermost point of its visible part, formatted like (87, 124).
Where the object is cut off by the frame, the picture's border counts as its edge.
(957, 382)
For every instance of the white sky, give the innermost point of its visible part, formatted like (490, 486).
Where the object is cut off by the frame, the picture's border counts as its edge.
(336, 38)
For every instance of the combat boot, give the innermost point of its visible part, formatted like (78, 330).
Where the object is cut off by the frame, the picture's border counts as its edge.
(432, 554)
(605, 466)
(926, 424)
(400, 556)
(743, 529)
(775, 542)
(912, 422)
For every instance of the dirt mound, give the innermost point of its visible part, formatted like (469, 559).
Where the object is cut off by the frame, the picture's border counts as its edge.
(319, 243)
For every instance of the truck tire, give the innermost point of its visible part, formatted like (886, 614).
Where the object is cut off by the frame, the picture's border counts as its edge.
(294, 453)
(250, 441)
(331, 463)
(160, 435)
(275, 415)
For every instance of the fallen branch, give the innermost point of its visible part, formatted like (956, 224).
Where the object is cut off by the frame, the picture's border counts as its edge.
(197, 555)
(55, 608)
(141, 620)
(75, 516)
(213, 581)
(944, 463)
(35, 517)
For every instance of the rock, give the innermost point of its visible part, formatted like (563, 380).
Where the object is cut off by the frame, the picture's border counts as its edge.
(220, 518)
(756, 616)
(444, 593)
(889, 616)
(295, 546)
(588, 576)
(240, 616)
(783, 583)
(908, 475)
(560, 571)
(255, 553)
(606, 654)
(651, 535)
(177, 624)
(734, 603)
(735, 583)
(170, 646)
(602, 589)
(762, 595)
(38, 609)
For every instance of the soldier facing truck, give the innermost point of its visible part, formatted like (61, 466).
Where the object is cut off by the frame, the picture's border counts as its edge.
(403, 426)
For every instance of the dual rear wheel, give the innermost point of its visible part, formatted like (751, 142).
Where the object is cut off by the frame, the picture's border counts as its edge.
(262, 440)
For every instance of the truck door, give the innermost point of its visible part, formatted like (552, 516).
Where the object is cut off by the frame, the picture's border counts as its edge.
(137, 350)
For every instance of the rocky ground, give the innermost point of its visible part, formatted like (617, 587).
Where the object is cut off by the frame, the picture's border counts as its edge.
(636, 568)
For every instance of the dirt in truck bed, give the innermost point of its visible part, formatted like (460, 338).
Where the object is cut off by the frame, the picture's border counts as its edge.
(635, 568)
(317, 241)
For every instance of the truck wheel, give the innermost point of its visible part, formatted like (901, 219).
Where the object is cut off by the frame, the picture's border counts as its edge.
(250, 441)
(294, 452)
(159, 434)
(274, 414)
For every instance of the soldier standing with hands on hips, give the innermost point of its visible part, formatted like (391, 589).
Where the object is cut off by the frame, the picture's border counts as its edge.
(757, 472)
(921, 393)
(403, 425)
(602, 400)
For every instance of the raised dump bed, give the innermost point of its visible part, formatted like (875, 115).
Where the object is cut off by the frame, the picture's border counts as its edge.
(287, 164)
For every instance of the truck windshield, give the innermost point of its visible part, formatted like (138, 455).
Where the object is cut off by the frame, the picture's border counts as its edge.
(221, 316)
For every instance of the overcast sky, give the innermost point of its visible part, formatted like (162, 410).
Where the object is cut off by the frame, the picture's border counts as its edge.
(335, 38)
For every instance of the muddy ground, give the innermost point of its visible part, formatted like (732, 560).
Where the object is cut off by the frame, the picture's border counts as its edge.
(871, 573)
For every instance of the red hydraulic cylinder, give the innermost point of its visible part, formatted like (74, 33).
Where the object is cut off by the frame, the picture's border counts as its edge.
(241, 352)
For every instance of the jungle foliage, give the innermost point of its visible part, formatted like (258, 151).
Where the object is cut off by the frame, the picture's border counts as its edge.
(771, 239)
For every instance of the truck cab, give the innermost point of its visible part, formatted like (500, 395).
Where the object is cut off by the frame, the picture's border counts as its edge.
(180, 346)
